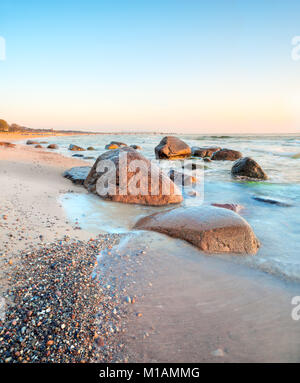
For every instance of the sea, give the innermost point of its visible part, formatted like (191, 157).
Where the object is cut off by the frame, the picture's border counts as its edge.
(277, 224)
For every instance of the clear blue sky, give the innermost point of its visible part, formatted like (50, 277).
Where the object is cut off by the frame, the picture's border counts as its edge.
(177, 65)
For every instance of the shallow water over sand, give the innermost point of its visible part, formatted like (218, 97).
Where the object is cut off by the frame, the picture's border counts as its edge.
(277, 227)
(194, 308)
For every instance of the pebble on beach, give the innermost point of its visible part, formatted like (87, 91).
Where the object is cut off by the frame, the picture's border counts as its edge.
(55, 304)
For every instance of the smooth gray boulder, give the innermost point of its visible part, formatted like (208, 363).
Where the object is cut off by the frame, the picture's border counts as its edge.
(211, 229)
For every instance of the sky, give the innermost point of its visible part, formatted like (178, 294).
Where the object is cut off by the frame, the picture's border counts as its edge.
(190, 66)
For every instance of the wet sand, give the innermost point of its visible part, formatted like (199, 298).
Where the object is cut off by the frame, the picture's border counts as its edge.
(191, 307)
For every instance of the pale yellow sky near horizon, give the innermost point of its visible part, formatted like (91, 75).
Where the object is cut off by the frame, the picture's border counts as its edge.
(231, 115)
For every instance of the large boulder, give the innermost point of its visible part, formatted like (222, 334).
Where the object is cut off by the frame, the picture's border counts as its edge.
(246, 167)
(226, 154)
(211, 229)
(204, 152)
(77, 174)
(75, 148)
(172, 148)
(131, 185)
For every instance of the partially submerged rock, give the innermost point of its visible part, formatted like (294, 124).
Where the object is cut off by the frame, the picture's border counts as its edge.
(111, 146)
(52, 146)
(226, 155)
(204, 152)
(231, 206)
(211, 229)
(172, 148)
(181, 178)
(118, 143)
(90, 148)
(115, 145)
(246, 167)
(75, 148)
(38, 146)
(190, 165)
(136, 147)
(130, 185)
(272, 201)
(30, 142)
(77, 174)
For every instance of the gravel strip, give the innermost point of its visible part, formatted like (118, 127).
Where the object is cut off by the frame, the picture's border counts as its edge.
(53, 303)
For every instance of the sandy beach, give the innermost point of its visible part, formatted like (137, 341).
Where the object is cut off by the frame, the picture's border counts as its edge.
(18, 136)
(157, 300)
(31, 219)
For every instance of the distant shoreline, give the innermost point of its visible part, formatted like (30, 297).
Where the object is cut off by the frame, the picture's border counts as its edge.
(17, 136)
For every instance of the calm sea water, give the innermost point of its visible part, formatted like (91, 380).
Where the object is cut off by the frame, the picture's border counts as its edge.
(277, 227)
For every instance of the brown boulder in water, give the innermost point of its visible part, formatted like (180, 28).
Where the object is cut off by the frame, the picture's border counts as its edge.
(76, 148)
(131, 184)
(52, 146)
(226, 155)
(204, 152)
(211, 229)
(246, 167)
(115, 145)
(30, 142)
(171, 148)
(111, 146)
